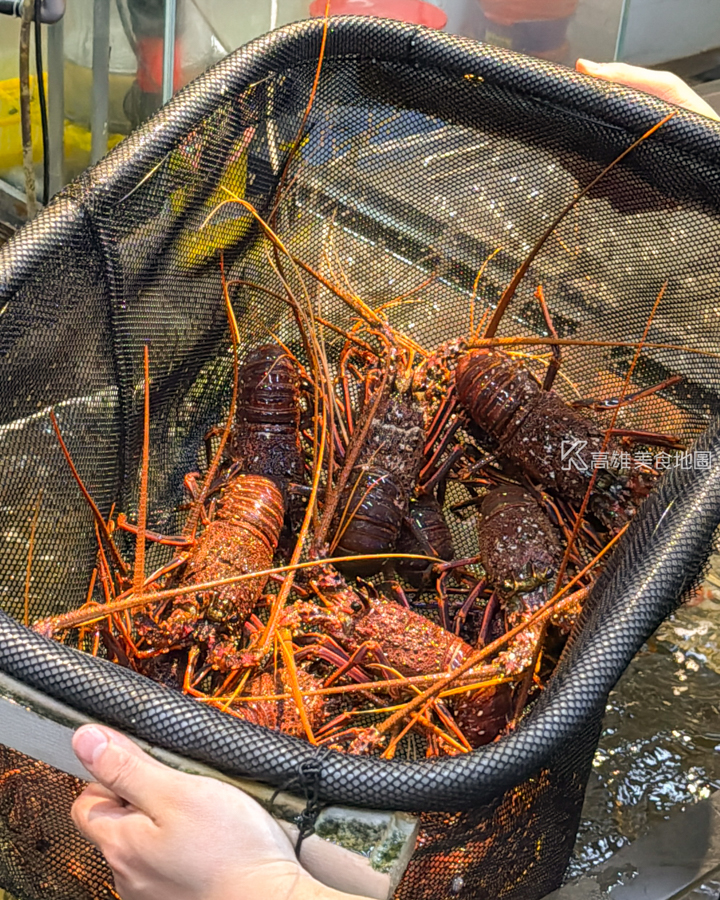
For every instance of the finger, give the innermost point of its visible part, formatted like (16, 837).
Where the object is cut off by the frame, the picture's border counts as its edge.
(119, 833)
(664, 85)
(94, 808)
(98, 790)
(122, 767)
(661, 84)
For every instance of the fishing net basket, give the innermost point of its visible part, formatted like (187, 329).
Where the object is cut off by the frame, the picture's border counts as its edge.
(421, 156)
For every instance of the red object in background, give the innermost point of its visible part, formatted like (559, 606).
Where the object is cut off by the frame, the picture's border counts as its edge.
(415, 11)
(150, 65)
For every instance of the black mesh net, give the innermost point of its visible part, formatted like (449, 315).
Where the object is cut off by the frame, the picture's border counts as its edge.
(42, 856)
(423, 154)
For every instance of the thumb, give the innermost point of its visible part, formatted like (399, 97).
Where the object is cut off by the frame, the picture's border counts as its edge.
(622, 73)
(587, 67)
(120, 765)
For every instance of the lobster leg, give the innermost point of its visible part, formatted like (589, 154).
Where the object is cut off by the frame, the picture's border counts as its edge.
(363, 738)
(210, 435)
(588, 532)
(153, 536)
(529, 677)
(330, 651)
(449, 722)
(442, 599)
(113, 647)
(253, 625)
(344, 383)
(441, 419)
(419, 536)
(561, 518)
(369, 647)
(398, 594)
(422, 718)
(648, 437)
(490, 610)
(442, 472)
(342, 719)
(556, 360)
(291, 669)
(296, 588)
(461, 614)
(457, 564)
(190, 672)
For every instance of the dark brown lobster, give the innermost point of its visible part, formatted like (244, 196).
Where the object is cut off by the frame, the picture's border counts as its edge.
(521, 553)
(519, 548)
(266, 435)
(549, 441)
(375, 502)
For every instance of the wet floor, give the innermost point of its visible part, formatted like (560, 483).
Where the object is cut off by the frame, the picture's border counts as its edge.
(660, 748)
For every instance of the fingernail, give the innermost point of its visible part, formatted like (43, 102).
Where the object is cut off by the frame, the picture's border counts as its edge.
(588, 64)
(89, 745)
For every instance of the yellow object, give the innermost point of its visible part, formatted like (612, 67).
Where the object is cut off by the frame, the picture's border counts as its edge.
(196, 247)
(77, 139)
(10, 133)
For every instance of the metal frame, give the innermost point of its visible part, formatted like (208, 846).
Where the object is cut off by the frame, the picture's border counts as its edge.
(13, 205)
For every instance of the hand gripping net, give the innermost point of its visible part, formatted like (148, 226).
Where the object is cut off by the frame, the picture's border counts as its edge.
(423, 153)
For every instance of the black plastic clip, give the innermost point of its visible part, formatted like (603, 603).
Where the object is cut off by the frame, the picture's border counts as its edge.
(307, 782)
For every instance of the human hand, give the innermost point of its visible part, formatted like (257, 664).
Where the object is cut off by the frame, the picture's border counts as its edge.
(172, 836)
(664, 85)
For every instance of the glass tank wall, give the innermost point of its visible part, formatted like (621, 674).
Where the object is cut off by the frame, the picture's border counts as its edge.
(206, 30)
(131, 87)
(655, 31)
